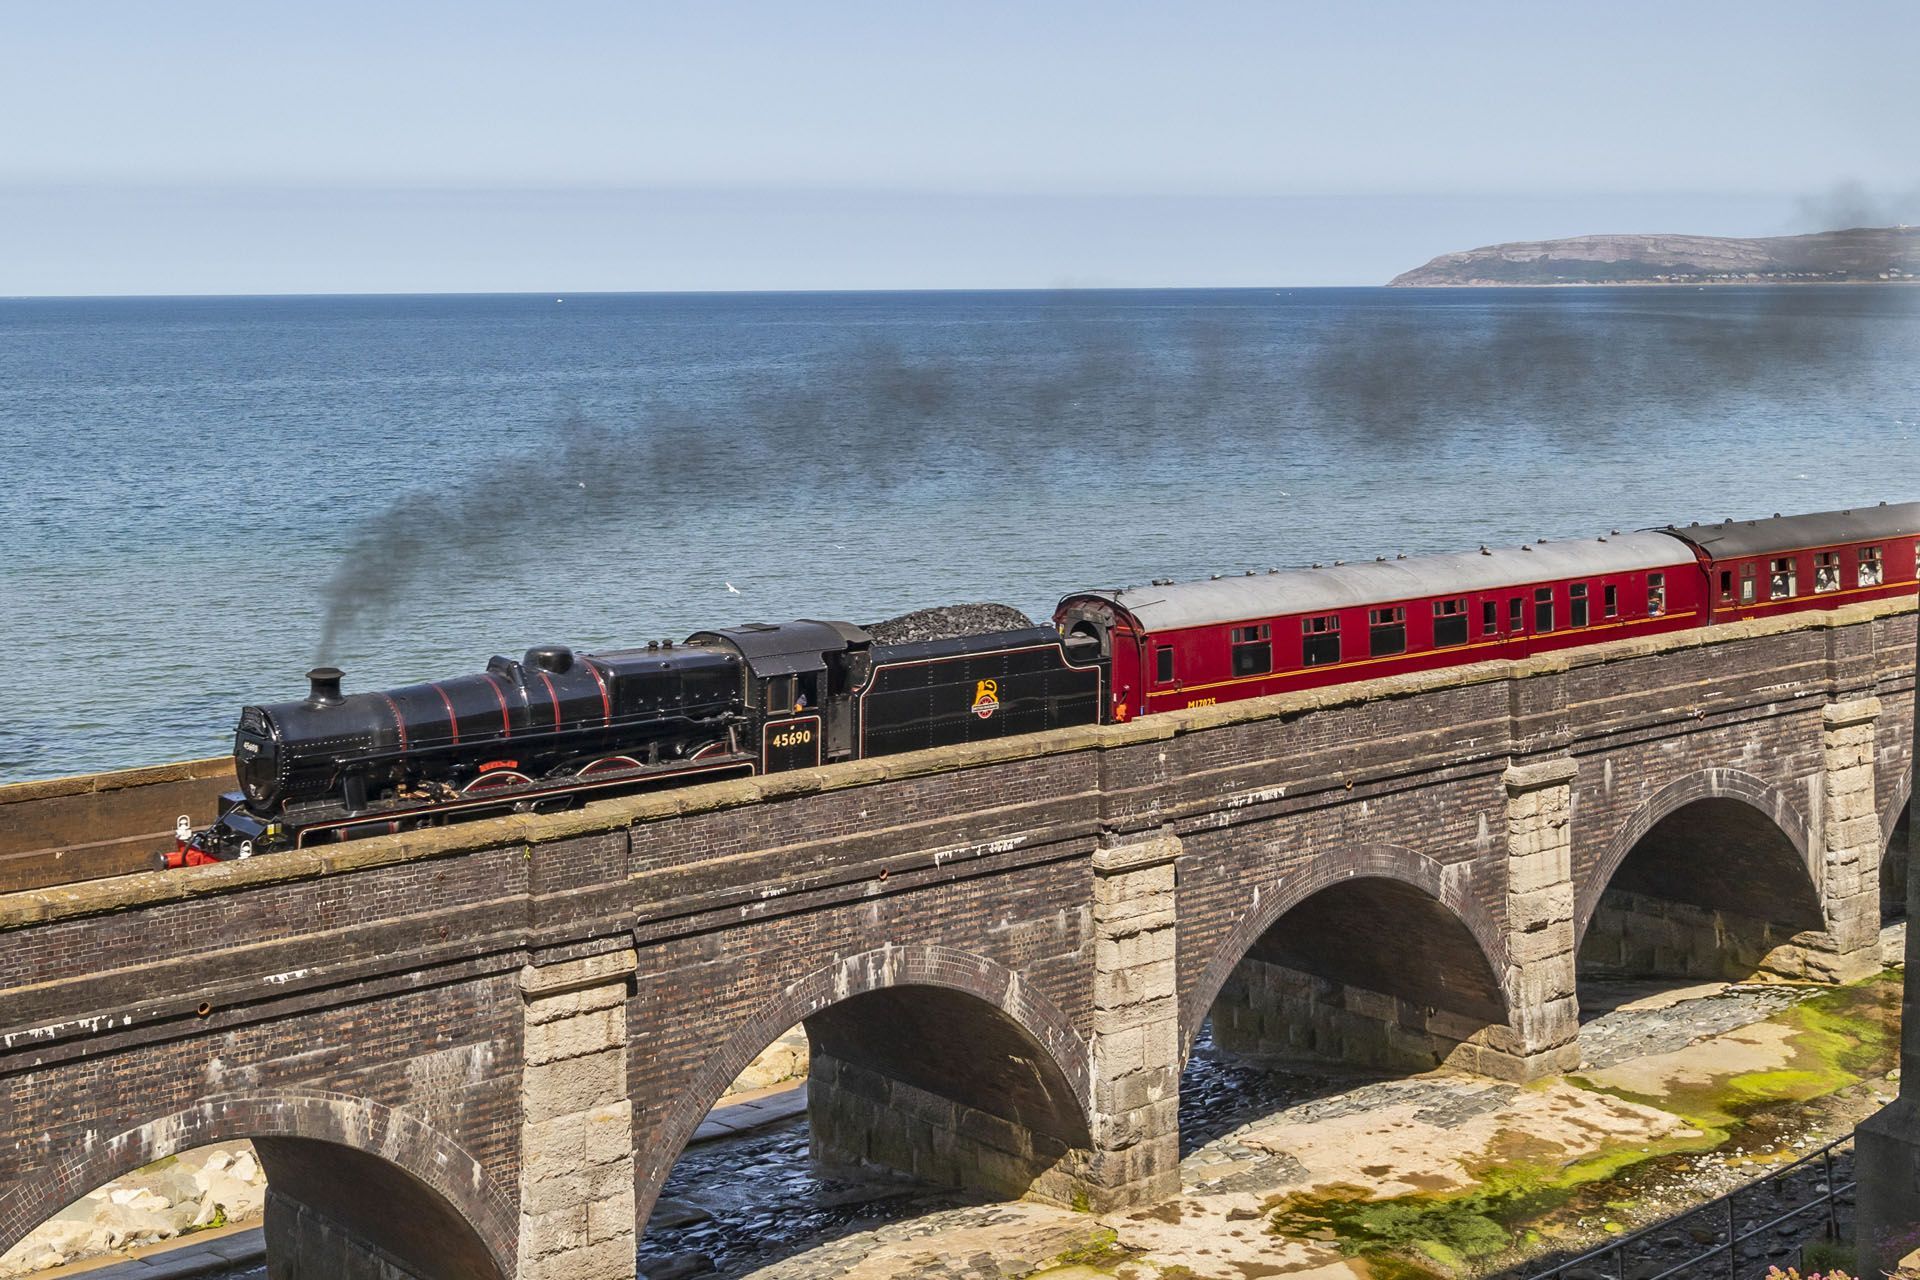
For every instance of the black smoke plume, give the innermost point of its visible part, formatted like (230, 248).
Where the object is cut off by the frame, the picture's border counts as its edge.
(856, 426)
(1081, 378)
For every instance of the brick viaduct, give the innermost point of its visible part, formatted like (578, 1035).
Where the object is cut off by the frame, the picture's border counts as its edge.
(478, 1051)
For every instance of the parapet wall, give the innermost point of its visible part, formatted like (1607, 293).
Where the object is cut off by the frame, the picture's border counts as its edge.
(90, 826)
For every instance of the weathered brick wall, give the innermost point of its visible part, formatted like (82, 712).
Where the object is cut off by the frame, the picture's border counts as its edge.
(1399, 787)
(59, 830)
(112, 1062)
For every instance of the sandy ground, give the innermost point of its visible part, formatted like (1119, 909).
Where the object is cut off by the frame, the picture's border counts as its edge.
(1435, 1133)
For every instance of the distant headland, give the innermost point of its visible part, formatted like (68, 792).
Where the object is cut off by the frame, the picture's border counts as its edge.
(1861, 255)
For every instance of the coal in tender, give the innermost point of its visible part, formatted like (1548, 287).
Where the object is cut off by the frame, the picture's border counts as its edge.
(948, 622)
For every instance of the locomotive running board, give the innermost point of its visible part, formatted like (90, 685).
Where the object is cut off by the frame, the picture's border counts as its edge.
(504, 799)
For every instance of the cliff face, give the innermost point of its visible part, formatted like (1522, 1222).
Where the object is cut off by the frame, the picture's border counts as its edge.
(1875, 254)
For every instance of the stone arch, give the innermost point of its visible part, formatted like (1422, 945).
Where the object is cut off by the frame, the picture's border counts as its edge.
(1060, 1050)
(1897, 807)
(458, 1224)
(1729, 785)
(1445, 884)
(1894, 851)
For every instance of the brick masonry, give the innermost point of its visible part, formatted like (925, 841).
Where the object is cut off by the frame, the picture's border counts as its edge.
(504, 1033)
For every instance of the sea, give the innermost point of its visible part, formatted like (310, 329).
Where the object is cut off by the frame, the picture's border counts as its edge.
(201, 498)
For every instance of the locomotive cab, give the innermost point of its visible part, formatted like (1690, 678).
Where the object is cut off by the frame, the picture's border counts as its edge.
(801, 678)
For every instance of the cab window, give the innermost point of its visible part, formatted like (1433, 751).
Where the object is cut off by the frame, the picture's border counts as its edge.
(779, 694)
(1163, 664)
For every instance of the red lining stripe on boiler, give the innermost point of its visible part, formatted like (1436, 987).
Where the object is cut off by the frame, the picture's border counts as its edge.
(548, 681)
(453, 717)
(399, 721)
(506, 721)
(606, 704)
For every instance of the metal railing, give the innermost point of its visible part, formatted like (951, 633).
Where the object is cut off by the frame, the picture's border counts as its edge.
(1725, 1215)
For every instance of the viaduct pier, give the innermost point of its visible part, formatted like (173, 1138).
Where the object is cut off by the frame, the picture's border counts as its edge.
(478, 1051)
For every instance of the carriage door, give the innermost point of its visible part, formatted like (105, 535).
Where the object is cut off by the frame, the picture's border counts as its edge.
(1128, 692)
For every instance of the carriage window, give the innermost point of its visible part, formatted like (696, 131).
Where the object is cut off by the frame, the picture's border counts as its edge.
(1319, 640)
(1542, 609)
(1516, 615)
(1726, 586)
(1785, 579)
(1746, 584)
(1869, 567)
(1252, 650)
(1163, 664)
(1489, 617)
(1826, 571)
(1577, 604)
(1449, 622)
(1387, 631)
(1610, 601)
(1656, 594)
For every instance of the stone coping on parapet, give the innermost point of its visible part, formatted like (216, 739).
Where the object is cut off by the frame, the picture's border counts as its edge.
(98, 897)
(87, 784)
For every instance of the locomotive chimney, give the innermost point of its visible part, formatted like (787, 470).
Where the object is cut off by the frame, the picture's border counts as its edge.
(324, 687)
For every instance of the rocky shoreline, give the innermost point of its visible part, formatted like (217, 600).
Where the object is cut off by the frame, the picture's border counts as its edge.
(208, 1187)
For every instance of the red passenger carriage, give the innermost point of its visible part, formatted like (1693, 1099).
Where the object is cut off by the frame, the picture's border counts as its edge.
(1175, 645)
(1760, 568)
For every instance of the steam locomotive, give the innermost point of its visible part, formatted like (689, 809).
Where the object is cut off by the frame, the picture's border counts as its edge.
(553, 728)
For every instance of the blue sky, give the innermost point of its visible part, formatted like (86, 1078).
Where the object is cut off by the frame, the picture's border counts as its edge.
(203, 147)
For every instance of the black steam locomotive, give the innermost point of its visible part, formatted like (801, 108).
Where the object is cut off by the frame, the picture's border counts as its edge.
(554, 727)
